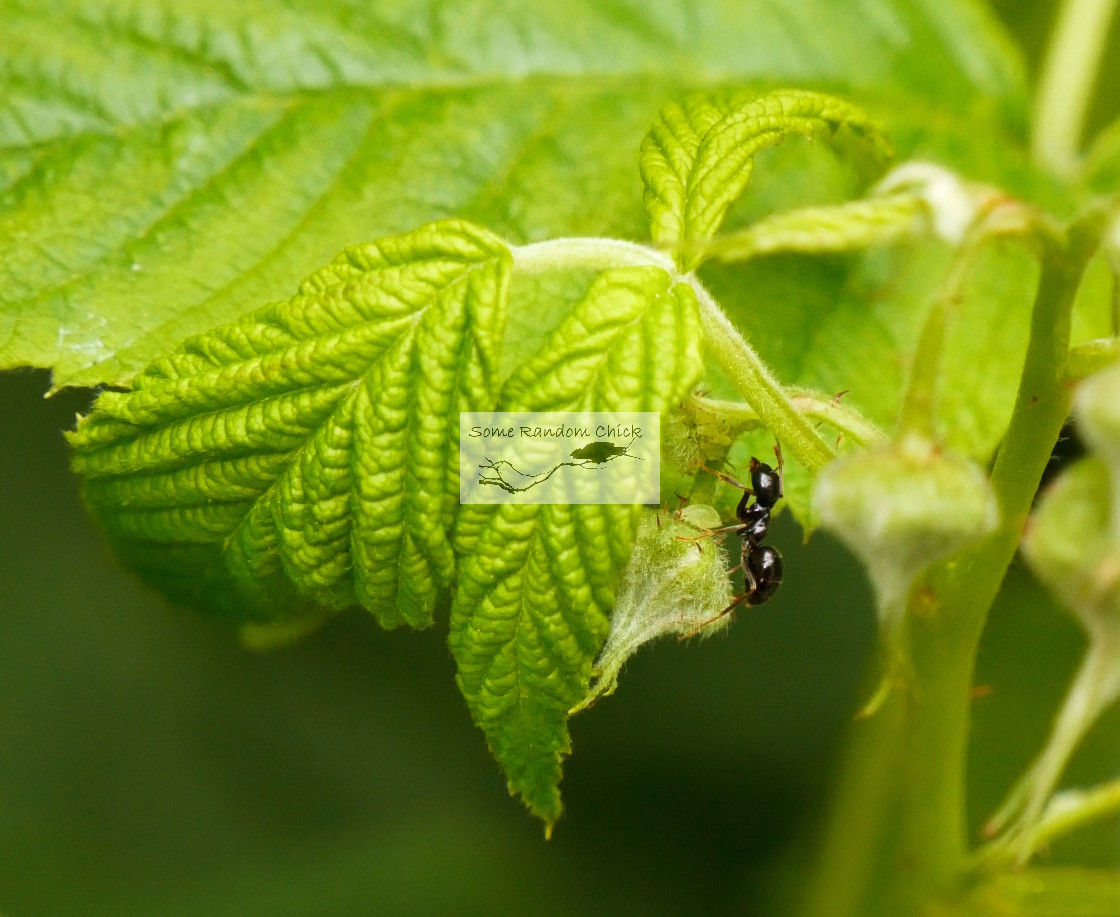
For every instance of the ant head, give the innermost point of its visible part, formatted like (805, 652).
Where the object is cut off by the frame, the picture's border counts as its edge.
(766, 483)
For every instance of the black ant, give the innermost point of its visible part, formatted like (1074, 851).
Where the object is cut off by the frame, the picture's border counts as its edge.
(761, 564)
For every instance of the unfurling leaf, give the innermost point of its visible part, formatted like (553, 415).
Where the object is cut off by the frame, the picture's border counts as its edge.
(698, 157)
(530, 613)
(303, 459)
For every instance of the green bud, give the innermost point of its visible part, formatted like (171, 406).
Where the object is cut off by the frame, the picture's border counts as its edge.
(1072, 547)
(1097, 407)
(900, 507)
(675, 582)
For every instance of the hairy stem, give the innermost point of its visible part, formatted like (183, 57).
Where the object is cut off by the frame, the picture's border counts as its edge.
(813, 405)
(1093, 689)
(757, 385)
(738, 360)
(1066, 85)
(590, 253)
(919, 402)
(1075, 809)
(918, 751)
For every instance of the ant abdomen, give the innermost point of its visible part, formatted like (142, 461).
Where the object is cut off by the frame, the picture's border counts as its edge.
(765, 565)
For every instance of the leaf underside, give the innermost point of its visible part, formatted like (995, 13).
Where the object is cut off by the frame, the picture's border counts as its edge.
(307, 453)
(530, 613)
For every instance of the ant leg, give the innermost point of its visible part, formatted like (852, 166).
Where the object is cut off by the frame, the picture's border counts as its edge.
(725, 478)
(750, 584)
(735, 603)
(680, 507)
(710, 533)
(781, 469)
(741, 509)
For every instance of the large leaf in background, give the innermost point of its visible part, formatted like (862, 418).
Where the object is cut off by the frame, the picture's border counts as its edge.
(530, 613)
(309, 446)
(165, 166)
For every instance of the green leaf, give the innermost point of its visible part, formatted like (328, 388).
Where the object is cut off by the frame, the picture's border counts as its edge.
(698, 157)
(850, 325)
(312, 446)
(852, 226)
(530, 613)
(167, 166)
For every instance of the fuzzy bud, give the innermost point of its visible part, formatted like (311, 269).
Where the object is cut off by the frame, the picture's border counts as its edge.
(1097, 407)
(900, 507)
(1072, 547)
(673, 583)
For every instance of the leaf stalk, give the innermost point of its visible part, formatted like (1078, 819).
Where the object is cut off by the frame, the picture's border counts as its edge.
(1065, 88)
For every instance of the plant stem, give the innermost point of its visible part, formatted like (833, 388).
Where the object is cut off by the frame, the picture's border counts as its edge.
(919, 760)
(919, 403)
(752, 379)
(1066, 85)
(1075, 809)
(946, 627)
(814, 405)
(1093, 689)
(590, 253)
(757, 385)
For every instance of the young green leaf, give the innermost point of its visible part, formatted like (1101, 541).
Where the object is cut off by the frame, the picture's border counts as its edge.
(698, 158)
(530, 613)
(851, 226)
(315, 439)
(167, 166)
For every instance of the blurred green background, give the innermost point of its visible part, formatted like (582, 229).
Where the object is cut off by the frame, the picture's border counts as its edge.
(150, 766)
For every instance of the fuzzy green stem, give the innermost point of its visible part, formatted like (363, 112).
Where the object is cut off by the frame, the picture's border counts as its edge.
(1093, 689)
(757, 385)
(1066, 85)
(919, 401)
(596, 254)
(918, 753)
(813, 405)
(1074, 809)
(753, 381)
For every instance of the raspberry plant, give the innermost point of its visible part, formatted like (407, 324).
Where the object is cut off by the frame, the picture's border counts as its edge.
(278, 451)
